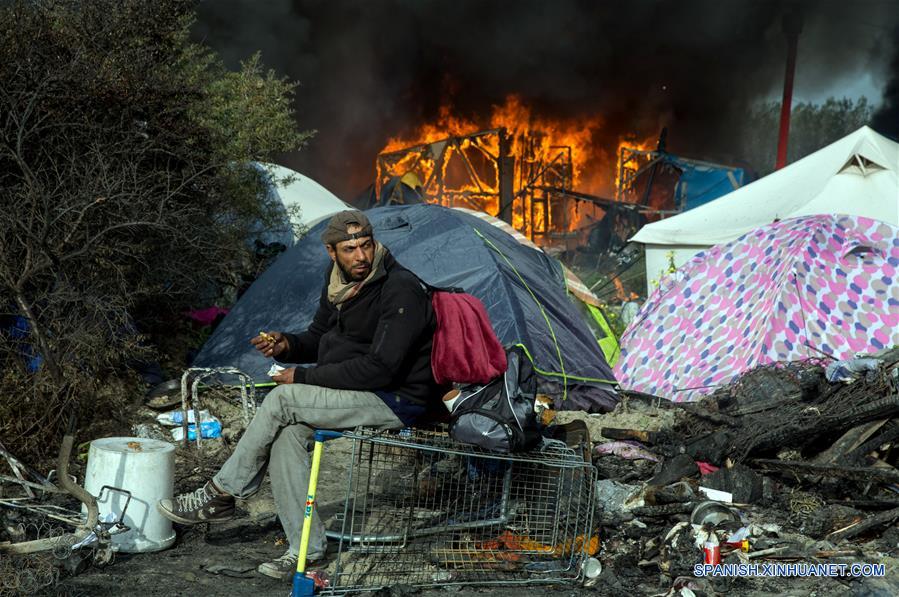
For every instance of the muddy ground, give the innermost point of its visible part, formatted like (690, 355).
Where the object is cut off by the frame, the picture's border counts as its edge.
(221, 559)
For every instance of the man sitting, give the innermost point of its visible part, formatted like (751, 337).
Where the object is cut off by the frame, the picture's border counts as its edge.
(371, 338)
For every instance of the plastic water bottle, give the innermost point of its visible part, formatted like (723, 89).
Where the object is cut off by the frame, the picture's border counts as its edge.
(208, 430)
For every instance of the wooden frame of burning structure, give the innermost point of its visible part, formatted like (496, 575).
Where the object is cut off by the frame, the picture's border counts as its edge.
(480, 171)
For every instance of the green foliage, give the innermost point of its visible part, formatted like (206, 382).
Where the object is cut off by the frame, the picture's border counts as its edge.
(126, 192)
(812, 126)
(672, 266)
(669, 269)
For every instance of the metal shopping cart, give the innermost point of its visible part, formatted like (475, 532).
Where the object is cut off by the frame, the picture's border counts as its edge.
(422, 510)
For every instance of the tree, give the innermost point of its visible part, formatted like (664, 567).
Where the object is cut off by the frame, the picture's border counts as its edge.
(812, 126)
(125, 188)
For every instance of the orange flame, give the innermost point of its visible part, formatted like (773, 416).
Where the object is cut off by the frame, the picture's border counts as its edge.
(559, 152)
(621, 293)
(631, 142)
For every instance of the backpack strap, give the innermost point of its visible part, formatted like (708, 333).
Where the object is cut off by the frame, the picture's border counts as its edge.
(432, 289)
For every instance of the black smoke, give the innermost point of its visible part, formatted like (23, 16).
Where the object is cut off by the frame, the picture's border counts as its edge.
(371, 69)
(886, 119)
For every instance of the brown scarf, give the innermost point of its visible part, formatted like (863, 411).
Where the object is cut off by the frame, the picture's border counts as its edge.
(340, 290)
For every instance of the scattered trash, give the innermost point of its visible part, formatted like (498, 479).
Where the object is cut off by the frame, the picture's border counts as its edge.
(739, 540)
(591, 567)
(705, 468)
(712, 550)
(718, 496)
(176, 417)
(631, 450)
(781, 466)
(208, 430)
(232, 570)
(210, 426)
(442, 576)
(149, 431)
(320, 579)
(92, 537)
(613, 496)
(850, 370)
(712, 513)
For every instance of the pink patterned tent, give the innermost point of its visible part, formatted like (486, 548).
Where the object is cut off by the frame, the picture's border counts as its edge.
(788, 291)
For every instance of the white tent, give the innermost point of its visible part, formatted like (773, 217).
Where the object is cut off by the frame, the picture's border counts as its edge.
(857, 175)
(294, 189)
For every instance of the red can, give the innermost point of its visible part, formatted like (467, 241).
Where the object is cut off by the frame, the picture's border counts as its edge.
(712, 550)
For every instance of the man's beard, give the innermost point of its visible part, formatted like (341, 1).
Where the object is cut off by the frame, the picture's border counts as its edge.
(350, 276)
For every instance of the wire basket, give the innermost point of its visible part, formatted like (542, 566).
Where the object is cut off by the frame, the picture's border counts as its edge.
(422, 510)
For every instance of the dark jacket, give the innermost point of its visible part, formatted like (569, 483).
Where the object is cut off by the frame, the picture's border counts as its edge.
(379, 341)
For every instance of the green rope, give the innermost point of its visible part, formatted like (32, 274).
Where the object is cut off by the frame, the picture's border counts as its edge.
(549, 325)
(567, 376)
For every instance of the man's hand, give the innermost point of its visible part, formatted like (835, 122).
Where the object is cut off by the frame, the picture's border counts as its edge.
(285, 376)
(270, 344)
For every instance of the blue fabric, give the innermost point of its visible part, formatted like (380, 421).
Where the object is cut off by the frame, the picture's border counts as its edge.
(20, 330)
(700, 183)
(407, 412)
(442, 247)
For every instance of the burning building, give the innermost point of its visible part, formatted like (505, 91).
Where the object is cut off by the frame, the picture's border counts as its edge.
(547, 177)
(662, 184)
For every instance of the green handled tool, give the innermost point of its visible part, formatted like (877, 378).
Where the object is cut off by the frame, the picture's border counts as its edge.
(303, 586)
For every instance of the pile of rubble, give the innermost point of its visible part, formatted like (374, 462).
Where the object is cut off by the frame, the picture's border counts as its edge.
(791, 464)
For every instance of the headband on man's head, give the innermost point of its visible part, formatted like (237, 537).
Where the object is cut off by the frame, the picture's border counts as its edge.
(335, 232)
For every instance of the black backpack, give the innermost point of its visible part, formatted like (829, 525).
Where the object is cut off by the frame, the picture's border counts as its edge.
(499, 416)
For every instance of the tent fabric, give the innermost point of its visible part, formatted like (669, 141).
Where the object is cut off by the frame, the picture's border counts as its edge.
(522, 289)
(856, 175)
(700, 182)
(608, 343)
(398, 191)
(294, 190)
(793, 290)
(574, 284)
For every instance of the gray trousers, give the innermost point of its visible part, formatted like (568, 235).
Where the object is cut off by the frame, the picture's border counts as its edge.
(279, 439)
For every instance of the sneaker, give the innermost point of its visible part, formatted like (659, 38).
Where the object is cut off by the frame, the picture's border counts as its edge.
(283, 568)
(205, 504)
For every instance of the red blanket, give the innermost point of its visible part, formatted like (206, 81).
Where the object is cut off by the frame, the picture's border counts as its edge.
(466, 349)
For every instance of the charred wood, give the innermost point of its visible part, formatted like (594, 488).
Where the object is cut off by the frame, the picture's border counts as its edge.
(810, 470)
(864, 525)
